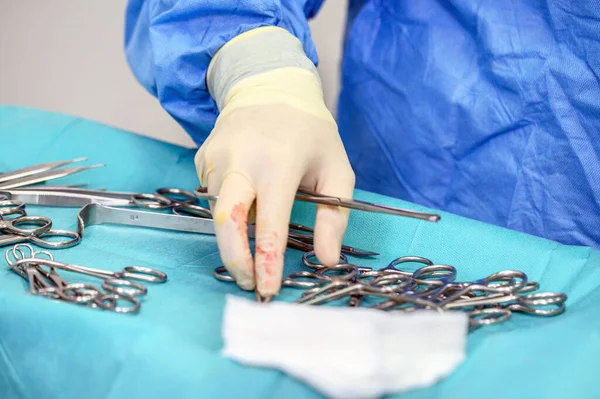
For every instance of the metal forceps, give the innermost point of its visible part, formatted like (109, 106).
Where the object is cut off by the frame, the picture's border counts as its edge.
(310, 196)
(41, 173)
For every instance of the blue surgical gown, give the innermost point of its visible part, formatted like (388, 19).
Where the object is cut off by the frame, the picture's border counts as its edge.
(486, 109)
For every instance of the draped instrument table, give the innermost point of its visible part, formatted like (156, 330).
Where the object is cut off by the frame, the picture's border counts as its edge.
(172, 347)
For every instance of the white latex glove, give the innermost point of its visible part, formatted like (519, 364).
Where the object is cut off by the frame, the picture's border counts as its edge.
(274, 134)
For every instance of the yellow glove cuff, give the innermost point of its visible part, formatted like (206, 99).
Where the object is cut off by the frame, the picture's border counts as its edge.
(293, 86)
(266, 66)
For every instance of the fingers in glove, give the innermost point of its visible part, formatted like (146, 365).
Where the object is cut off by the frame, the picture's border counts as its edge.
(236, 196)
(206, 172)
(273, 211)
(331, 222)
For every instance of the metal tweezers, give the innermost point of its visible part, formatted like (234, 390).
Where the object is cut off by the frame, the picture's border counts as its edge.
(41, 173)
(309, 196)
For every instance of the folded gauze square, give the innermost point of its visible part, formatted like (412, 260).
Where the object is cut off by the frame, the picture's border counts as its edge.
(346, 352)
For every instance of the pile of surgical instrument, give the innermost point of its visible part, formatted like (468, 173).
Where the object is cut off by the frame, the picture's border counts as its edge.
(40, 270)
(166, 209)
(433, 287)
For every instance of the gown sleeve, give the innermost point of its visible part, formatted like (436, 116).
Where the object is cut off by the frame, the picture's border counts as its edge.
(170, 43)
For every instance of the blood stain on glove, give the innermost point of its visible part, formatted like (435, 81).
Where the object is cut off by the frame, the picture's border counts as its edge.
(265, 247)
(239, 214)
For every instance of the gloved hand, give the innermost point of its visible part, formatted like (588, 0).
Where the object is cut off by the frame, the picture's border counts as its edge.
(274, 134)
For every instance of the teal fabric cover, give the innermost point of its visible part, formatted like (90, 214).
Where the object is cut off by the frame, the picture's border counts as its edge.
(172, 347)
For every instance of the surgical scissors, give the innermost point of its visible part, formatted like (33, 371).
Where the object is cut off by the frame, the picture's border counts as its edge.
(489, 300)
(9, 226)
(295, 279)
(368, 282)
(35, 279)
(118, 285)
(178, 201)
(310, 196)
(302, 279)
(66, 197)
(391, 267)
(517, 303)
(10, 207)
(128, 273)
(72, 239)
(439, 286)
(316, 266)
(181, 202)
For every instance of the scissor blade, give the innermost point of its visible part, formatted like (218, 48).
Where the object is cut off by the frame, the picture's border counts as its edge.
(299, 227)
(35, 169)
(359, 253)
(45, 176)
(53, 198)
(299, 245)
(307, 241)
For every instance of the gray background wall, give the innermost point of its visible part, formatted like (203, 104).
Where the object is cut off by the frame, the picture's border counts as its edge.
(67, 56)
